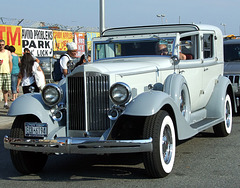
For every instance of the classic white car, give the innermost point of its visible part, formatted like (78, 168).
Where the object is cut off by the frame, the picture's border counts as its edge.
(146, 88)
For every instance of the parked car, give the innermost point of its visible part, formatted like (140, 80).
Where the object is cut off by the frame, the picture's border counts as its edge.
(146, 88)
(232, 64)
(47, 63)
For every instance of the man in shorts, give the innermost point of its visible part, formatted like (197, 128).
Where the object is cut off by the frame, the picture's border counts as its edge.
(5, 72)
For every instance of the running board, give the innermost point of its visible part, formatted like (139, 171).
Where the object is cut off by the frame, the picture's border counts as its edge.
(206, 123)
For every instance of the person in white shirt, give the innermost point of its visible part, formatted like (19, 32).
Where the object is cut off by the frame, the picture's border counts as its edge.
(66, 58)
(28, 66)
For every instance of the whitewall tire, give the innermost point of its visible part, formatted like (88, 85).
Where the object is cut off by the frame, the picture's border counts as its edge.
(159, 162)
(225, 128)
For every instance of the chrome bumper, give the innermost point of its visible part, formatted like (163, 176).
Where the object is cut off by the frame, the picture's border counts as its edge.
(78, 145)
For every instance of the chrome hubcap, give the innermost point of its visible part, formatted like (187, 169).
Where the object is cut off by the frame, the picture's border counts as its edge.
(228, 115)
(167, 144)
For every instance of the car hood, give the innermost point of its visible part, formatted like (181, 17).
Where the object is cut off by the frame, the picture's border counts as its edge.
(232, 67)
(126, 65)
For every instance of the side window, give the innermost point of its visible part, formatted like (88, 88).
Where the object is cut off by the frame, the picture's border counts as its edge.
(207, 46)
(190, 51)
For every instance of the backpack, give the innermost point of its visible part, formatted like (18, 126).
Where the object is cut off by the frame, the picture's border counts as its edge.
(57, 73)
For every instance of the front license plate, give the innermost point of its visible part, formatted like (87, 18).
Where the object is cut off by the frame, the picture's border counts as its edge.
(35, 129)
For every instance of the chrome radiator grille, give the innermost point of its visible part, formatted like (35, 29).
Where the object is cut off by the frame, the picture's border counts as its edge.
(88, 112)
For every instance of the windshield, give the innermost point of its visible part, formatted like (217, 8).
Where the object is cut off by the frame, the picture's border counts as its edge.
(124, 48)
(232, 52)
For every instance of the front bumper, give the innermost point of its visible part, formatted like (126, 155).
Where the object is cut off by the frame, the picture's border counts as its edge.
(78, 145)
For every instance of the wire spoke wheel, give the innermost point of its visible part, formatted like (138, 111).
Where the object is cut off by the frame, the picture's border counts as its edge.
(167, 145)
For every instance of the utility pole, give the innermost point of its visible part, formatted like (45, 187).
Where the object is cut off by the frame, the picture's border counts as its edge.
(101, 16)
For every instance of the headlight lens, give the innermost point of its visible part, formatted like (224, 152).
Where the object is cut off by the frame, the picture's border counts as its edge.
(120, 93)
(52, 94)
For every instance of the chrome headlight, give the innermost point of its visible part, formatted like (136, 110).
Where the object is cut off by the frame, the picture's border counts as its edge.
(52, 94)
(120, 93)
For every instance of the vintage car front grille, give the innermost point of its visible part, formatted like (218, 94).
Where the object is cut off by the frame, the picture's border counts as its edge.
(87, 110)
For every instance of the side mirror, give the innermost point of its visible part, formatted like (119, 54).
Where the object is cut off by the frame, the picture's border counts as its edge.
(175, 60)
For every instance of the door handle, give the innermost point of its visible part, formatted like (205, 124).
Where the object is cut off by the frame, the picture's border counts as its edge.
(181, 71)
(205, 69)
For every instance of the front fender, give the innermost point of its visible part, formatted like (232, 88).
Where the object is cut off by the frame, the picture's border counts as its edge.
(173, 84)
(34, 105)
(31, 104)
(148, 103)
(215, 106)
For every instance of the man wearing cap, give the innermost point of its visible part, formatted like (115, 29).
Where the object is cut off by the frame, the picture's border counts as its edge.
(71, 53)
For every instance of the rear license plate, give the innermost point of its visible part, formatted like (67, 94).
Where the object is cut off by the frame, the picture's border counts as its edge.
(35, 129)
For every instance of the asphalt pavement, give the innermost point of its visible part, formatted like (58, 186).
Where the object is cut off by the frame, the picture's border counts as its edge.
(5, 120)
(202, 161)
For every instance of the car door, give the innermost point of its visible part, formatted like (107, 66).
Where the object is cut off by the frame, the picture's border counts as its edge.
(192, 69)
(212, 68)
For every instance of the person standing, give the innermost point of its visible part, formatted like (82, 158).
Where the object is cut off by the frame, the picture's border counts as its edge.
(26, 50)
(27, 67)
(81, 62)
(5, 72)
(67, 57)
(89, 58)
(6, 47)
(14, 73)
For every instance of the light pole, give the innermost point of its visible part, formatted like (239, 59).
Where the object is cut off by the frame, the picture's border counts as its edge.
(102, 15)
(161, 16)
(224, 27)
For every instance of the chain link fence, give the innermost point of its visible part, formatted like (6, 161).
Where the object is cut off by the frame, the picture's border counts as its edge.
(44, 25)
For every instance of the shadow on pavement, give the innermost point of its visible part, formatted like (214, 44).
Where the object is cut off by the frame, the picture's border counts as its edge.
(76, 167)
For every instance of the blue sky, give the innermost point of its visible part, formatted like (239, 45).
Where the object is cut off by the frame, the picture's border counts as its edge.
(127, 12)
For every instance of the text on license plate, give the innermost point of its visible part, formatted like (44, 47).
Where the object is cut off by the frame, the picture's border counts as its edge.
(35, 129)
